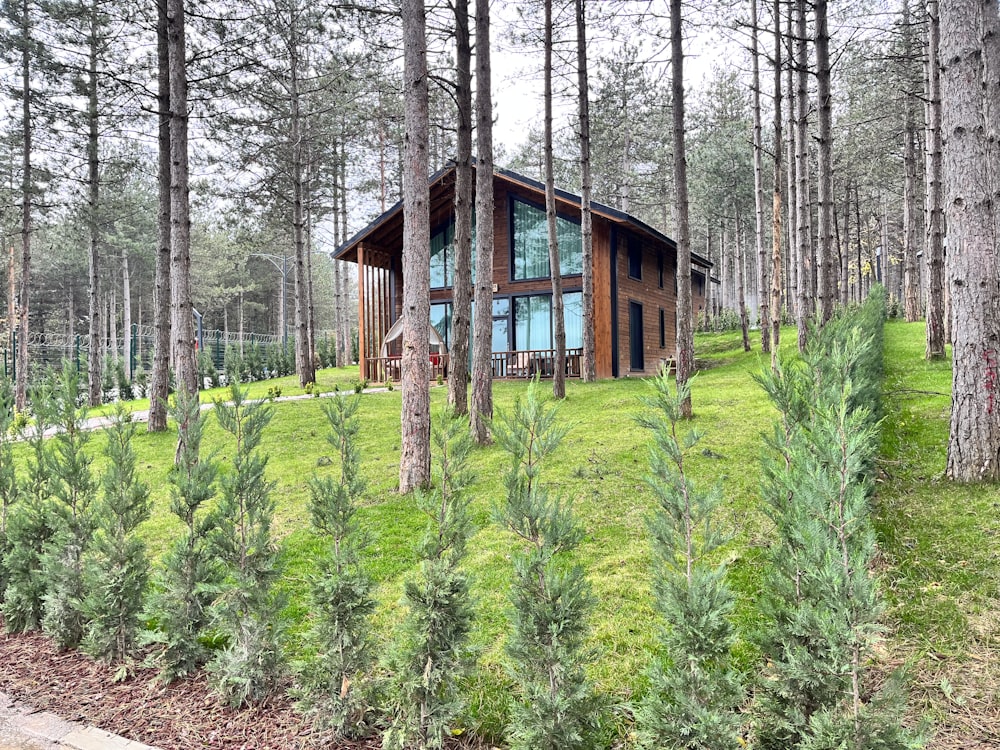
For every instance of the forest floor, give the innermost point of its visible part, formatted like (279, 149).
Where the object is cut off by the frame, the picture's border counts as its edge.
(939, 561)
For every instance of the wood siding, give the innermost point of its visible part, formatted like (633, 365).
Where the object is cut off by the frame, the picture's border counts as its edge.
(648, 293)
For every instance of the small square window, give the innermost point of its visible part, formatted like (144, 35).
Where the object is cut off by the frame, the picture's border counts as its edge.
(634, 259)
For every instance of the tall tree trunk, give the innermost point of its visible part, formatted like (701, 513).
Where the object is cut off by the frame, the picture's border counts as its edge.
(415, 457)
(94, 368)
(741, 297)
(458, 371)
(775, 307)
(310, 306)
(685, 323)
(804, 261)
(826, 284)
(345, 317)
(482, 367)
(970, 104)
(126, 316)
(791, 198)
(182, 319)
(21, 384)
(935, 208)
(589, 364)
(558, 319)
(303, 358)
(911, 267)
(763, 282)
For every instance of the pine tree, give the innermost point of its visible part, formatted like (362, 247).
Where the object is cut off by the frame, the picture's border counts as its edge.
(73, 492)
(432, 656)
(117, 568)
(190, 574)
(342, 602)
(10, 488)
(554, 707)
(249, 608)
(30, 526)
(821, 601)
(694, 691)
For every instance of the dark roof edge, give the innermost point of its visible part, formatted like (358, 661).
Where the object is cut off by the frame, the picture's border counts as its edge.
(530, 182)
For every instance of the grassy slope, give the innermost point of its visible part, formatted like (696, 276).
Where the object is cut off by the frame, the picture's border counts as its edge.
(940, 572)
(939, 543)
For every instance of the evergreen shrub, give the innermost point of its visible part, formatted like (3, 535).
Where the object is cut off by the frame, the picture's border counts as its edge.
(554, 706)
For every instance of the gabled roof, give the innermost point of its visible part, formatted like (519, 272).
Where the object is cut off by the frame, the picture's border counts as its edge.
(445, 178)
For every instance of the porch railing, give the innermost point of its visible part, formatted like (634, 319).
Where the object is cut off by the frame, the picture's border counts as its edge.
(512, 365)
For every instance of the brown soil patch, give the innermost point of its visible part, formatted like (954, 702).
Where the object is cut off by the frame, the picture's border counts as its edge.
(181, 716)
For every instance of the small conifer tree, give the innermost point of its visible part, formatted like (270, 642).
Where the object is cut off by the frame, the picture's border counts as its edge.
(694, 691)
(821, 600)
(342, 601)
(117, 569)
(248, 609)
(30, 526)
(432, 655)
(10, 488)
(554, 707)
(190, 574)
(73, 492)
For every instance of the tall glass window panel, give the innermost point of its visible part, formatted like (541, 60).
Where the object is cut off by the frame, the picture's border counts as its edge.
(531, 243)
(442, 265)
(573, 315)
(533, 322)
(441, 320)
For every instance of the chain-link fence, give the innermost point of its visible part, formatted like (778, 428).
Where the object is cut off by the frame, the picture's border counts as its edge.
(51, 349)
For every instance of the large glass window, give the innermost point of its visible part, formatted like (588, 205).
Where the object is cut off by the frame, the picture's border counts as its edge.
(531, 243)
(533, 321)
(443, 255)
(441, 320)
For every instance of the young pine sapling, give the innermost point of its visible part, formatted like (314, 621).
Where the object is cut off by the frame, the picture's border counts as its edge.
(694, 692)
(432, 655)
(554, 707)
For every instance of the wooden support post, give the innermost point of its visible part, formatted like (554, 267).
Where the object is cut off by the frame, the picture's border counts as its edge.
(362, 349)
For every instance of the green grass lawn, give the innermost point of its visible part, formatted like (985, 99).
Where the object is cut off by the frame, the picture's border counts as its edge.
(939, 562)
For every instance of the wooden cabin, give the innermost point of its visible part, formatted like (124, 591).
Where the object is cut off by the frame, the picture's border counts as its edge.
(634, 283)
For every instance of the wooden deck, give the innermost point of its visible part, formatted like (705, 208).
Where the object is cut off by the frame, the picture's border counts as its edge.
(506, 365)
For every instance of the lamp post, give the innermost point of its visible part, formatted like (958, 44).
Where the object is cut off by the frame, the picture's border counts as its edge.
(282, 267)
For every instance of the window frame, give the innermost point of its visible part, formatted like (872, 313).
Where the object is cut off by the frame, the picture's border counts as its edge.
(511, 240)
(634, 245)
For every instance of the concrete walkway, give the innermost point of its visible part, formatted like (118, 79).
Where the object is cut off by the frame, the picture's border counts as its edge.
(23, 728)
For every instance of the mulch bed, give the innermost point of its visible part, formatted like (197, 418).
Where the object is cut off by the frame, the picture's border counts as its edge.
(182, 716)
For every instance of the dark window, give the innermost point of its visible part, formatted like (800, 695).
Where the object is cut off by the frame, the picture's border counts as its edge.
(663, 329)
(699, 283)
(634, 259)
(531, 243)
(635, 336)
(659, 269)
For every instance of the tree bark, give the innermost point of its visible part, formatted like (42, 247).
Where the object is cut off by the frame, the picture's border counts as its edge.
(414, 461)
(182, 322)
(911, 268)
(94, 364)
(763, 280)
(458, 371)
(21, 381)
(482, 367)
(791, 197)
(804, 261)
(935, 208)
(558, 321)
(741, 297)
(775, 307)
(970, 103)
(303, 357)
(826, 285)
(126, 316)
(589, 364)
(685, 323)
